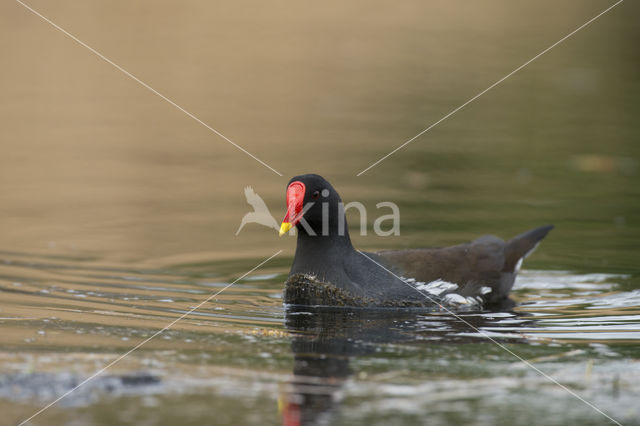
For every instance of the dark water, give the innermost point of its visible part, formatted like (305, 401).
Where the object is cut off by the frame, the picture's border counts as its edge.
(118, 213)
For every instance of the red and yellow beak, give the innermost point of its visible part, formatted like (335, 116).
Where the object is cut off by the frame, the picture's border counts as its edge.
(295, 198)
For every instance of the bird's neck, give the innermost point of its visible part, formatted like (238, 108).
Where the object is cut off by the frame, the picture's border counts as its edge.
(331, 235)
(321, 243)
(325, 252)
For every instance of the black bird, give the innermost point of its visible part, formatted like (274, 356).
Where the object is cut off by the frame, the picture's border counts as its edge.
(328, 270)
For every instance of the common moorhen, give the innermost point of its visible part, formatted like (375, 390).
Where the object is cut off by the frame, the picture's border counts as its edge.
(327, 270)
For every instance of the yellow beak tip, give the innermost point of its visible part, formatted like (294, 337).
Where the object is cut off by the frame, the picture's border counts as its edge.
(284, 228)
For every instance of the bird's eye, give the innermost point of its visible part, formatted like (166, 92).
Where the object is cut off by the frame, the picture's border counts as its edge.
(315, 194)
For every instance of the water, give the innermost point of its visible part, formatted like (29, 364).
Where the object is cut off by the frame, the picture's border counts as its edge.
(63, 319)
(119, 213)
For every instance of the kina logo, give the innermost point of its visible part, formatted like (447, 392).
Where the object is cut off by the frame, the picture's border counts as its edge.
(260, 214)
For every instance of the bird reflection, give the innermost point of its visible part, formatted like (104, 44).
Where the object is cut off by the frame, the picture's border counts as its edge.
(324, 340)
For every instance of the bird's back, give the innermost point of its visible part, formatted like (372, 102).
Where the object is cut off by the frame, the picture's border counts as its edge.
(487, 262)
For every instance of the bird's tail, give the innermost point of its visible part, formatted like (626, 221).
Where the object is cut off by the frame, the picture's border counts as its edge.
(522, 246)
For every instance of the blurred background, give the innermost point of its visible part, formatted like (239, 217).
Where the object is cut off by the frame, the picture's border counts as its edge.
(99, 174)
(93, 162)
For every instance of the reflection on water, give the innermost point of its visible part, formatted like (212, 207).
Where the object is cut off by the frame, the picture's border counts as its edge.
(64, 318)
(324, 340)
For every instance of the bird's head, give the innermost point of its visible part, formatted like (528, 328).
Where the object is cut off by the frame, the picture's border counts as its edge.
(312, 197)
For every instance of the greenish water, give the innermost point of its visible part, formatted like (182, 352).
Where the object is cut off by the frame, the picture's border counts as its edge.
(118, 213)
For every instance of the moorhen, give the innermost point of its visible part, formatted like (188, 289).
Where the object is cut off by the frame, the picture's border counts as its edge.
(327, 270)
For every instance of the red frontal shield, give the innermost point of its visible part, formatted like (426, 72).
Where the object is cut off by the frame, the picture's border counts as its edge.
(295, 198)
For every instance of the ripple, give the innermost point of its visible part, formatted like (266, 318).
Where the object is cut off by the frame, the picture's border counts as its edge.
(63, 310)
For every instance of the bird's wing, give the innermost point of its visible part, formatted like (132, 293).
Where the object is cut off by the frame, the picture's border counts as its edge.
(255, 200)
